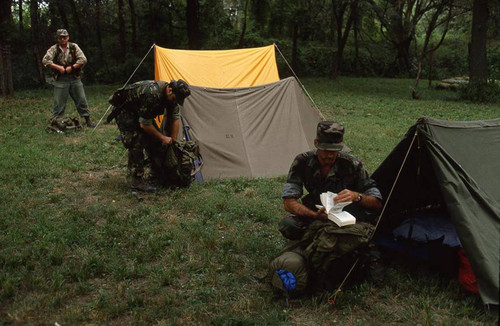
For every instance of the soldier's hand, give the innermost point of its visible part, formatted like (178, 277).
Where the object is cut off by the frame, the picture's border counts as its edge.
(321, 213)
(167, 140)
(345, 196)
(68, 69)
(60, 69)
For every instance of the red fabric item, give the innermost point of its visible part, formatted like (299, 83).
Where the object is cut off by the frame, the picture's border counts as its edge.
(466, 276)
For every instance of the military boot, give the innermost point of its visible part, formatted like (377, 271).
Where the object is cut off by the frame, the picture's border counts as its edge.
(89, 123)
(140, 185)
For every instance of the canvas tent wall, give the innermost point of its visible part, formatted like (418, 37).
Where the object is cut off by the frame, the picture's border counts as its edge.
(247, 122)
(218, 68)
(455, 165)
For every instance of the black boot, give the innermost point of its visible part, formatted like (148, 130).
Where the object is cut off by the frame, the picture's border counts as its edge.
(139, 185)
(89, 123)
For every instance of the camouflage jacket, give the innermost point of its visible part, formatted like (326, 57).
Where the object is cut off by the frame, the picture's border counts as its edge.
(148, 98)
(72, 55)
(347, 173)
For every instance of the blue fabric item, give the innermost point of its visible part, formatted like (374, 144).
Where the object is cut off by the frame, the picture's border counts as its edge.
(429, 227)
(288, 279)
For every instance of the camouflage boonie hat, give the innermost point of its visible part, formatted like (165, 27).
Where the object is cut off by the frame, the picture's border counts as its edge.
(330, 136)
(62, 32)
(180, 89)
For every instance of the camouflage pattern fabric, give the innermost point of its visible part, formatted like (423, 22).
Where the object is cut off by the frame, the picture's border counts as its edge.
(147, 98)
(174, 164)
(136, 141)
(330, 251)
(56, 55)
(347, 173)
(60, 125)
(139, 103)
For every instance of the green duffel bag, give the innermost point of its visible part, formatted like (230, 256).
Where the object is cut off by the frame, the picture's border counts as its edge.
(289, 272)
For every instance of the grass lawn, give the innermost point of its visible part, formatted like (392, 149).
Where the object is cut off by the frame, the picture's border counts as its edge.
(77, 247)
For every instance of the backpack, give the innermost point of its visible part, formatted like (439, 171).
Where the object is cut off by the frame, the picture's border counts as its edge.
(60, 125)
(119, 98)
(175, 164)
(329, 252)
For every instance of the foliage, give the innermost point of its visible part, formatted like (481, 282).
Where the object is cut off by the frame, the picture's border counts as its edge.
(77, 247)
(94, 26)
(481, 92)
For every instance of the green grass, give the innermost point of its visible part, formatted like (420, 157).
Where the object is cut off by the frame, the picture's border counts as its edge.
(76, 247)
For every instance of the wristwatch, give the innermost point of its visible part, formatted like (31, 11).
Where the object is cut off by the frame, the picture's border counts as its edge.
(360, 197)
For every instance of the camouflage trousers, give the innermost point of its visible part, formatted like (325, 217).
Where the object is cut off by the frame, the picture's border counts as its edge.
(137, 142)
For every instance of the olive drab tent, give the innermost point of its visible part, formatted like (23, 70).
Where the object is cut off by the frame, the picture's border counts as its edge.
(246, 120)
(453, 165)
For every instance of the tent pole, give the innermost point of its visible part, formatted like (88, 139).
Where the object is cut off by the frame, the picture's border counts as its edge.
(332, 300)
(301, 85)
(140, 63)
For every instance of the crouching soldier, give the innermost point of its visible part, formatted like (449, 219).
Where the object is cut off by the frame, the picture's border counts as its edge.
(320, 252)
(136, 107)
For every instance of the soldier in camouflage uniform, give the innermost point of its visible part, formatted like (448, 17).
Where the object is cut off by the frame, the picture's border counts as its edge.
(136, 106)
(67, 61)
(321, 253)
(326, 169)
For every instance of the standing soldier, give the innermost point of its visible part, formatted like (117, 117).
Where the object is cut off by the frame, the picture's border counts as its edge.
(136, 106)
(67, 61)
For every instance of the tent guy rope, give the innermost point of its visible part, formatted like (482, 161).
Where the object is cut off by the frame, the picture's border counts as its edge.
(300, 83)
(126, 83)
(331, 299)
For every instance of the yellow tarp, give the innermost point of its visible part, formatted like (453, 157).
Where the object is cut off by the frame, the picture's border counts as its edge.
(217, 68)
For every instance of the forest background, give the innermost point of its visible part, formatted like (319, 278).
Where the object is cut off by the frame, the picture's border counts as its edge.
(432, 39)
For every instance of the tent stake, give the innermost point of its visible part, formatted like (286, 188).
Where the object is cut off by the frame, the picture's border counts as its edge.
(126, 83)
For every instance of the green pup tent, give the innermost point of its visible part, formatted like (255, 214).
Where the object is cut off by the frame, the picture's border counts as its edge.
(453, 165)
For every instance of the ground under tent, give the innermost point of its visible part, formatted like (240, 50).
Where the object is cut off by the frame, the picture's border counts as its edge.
(441, 178)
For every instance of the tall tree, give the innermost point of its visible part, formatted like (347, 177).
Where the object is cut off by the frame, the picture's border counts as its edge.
(21, 23)
(100, 48)
(76, 17)
(398, 24)
(62, 12)
(342, 10)
(192, 10)
(244, 25)
(6, 82)
(35, 27)
(121, 29)
(478, 66)
(133, 24)
(439, 17)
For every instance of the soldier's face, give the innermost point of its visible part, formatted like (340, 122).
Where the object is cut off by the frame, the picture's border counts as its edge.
(170, 95)
(63, 40)
(326, 158)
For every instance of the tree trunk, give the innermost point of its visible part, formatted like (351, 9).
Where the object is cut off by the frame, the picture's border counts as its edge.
(403, 50)
(62, 13)
(6, 82)
(98, 32)
(76, 17)
(295, 41)
(339, 12)
(244, 27)
(35, 27)
(192, 9)
(478, 66)
(121, 30)
(133, 23)
(21, 23)
(431, 66)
